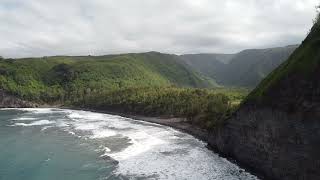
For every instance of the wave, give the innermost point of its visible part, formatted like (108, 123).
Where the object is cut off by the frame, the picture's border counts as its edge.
(140, 142)
(24, 119)
(103, 134)
(36, 123)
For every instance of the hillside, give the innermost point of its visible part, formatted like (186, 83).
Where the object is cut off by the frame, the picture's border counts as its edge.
(207, 57)
(211, 65)
(148, 84)
(276, 131)
(56, 79)
(249, 67)
(245, 69)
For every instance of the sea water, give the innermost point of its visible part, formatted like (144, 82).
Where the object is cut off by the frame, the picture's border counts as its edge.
(60, 144)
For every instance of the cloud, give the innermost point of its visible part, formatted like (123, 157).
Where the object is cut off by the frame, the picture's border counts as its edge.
(82, 27)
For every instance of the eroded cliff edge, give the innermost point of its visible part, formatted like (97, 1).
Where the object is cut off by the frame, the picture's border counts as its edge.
(276, 131)
(10, 101)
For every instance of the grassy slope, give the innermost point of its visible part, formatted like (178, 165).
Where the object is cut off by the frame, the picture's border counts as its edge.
(56, 78)
(301, 63)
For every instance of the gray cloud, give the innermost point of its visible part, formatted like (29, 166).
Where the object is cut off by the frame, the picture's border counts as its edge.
(81, 27)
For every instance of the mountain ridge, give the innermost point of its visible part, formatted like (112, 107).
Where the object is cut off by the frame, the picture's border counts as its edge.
(275, 131)
(244, 69)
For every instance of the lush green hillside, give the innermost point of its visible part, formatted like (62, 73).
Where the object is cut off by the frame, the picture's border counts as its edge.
(249, 67)
(56, 79)
(245, 69)
(211, 65)
(295, 81)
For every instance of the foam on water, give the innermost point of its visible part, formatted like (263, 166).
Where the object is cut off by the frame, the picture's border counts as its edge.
(103, 134)
(37, 110)
(103, 126)
(149, 150)
(46, 127)
(24, 119)
(36, 123)
(141, 143)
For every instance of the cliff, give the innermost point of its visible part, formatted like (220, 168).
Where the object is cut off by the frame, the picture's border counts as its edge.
(276, 131)
(9, 101)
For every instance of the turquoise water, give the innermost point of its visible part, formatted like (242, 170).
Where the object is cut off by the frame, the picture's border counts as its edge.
(51, 144)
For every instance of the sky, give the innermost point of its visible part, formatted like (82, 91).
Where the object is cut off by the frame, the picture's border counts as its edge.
(30, 28)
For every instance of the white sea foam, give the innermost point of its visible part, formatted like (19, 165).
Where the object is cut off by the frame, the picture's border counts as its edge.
(141, 142)
(38, 110)
(61, 123)
(35, 123)
(103, 134)
(71, 132)
(75, 115)
(46, 127)
(88, 126)
(24, 119)
(88, 116)
(106, 149)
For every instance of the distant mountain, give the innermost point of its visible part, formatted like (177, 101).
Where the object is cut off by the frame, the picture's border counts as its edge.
(246, 68)
(207, 57)
(276, 131)
(210, 65)
(60, 77)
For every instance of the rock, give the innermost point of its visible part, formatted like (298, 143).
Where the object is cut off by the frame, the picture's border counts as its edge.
(271, 142)
(9, 101)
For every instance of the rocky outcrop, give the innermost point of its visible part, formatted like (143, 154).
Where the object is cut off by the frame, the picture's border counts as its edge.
(9, 101)
(274, 143)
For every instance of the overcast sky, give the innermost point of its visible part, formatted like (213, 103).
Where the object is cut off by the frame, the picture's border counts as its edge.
(82, 27)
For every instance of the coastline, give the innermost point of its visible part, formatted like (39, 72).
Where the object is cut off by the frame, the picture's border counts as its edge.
(181, 125)
(176, 123)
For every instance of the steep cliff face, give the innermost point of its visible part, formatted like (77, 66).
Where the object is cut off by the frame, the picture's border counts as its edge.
(9, 101)
(274, 143)
(276, 131)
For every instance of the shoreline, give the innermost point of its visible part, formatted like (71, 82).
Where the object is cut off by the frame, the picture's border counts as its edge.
(181, 125)
(174, 122)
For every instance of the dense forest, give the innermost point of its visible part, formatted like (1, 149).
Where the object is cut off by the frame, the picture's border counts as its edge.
(202, 107)
(55, 79)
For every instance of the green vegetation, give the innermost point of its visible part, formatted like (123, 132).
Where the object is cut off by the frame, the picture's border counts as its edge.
(57, 79)
(302, 63)
(151, 84)
(202, 107)
(244, 69)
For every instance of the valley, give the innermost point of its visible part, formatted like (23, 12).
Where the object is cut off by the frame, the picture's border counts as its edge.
(259, 108)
